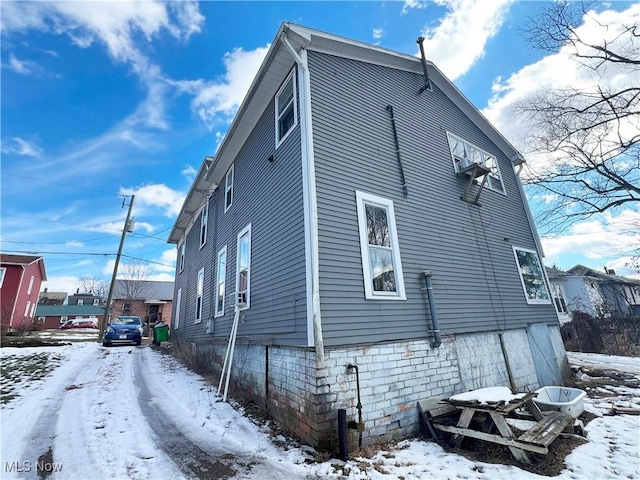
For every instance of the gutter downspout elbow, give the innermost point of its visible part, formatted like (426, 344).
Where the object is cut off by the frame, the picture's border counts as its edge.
(437, 341)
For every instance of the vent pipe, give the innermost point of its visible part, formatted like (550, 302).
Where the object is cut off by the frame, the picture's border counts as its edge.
(427, 80)
(437, 341)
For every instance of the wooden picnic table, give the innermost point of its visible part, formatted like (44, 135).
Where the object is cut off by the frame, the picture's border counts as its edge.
(537, 439)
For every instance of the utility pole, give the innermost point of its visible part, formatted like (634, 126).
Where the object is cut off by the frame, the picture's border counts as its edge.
(128, 227)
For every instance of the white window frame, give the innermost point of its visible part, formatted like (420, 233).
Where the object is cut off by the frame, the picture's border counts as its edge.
(42, 319)
(474, 154)
(64, 318)
(33, 309)
(281, 113)
(3, 271)
(221, 281)
(363, 199)
(182, 251)
(199, 295)
(559, 300)
(26, 310)
(176, 320)
(204, 221)
(80, 301)
(96, 302)
(30, 285)
(229, 179)
(532, 300)
(244, 233)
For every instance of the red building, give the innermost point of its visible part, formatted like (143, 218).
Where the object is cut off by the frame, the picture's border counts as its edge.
(20, 279)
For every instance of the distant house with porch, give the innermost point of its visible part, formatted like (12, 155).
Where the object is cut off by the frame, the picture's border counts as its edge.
(150, 300)
(599, 294)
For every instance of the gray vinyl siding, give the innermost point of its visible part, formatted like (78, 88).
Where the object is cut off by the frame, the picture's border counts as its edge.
(267, 195)
(468, 248)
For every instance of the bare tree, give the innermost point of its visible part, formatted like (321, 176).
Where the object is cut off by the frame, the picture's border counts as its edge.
(133, 287)
(94, 286)
(589, 135)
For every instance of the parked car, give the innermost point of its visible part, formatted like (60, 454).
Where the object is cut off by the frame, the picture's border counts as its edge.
(124, 329)
(80, 323)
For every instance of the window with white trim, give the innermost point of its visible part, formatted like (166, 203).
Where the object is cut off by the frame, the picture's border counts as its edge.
(531, 276)
(80, 301)
(204, 220)
(286, 108)
(465, 154)
(221, 281)
(381, 264)
(26, 310)
(3, 271)
(199, 293)
(558, 298)
(228, 188)
(96, 302)
(181, 261)
(63, 318)
(41, 319)
(243, 268)
(176, 320)
(30, 285)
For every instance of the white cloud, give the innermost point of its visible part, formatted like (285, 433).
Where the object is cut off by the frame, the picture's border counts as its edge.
(157, 196)
(20, 146)
(64, 283)
(458, 42)
(377, 33)
(217, 101)
(23, 67)
(189, 173)
(409, 4)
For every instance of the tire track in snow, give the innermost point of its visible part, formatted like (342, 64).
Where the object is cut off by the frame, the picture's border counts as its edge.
(190, 458)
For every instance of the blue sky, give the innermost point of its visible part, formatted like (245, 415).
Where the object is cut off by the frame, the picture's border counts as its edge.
(105, 99)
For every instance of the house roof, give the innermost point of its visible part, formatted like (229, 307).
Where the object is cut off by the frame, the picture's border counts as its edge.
(147, 290)
(61, 310)
(274, 69)
(53, 296)
(581, 270)
(22, 260)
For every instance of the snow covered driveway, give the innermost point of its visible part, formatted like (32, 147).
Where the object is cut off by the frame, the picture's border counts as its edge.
(85, 411)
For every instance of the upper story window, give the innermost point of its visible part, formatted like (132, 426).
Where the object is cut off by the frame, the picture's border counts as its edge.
(182, 249)
(222, 275)
(531, 276)
(381, 265)
(286, 108)
(30, 285)
(80, 301)
(243, 268)
(228, 188)
(204, 221)
(96, 302)
(465, 154)
(3, 271)
(199, 293)
(558, 298)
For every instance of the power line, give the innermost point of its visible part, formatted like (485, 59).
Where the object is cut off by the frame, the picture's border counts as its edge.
(64, 184)
(91, 254)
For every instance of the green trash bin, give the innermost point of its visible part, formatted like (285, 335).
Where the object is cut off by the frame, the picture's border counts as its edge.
(160, 333)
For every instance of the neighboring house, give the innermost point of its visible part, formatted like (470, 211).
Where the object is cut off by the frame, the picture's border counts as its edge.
(599, 294)
(86, 299)
(151, 300)
(341, 222)
(20, 279)
(52, 298)
(52, 316)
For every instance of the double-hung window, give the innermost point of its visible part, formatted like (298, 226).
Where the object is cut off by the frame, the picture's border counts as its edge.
(228, 188)
(286, 108)
(204, 220)
(222, 275)
(199, 293)
(3, 271)
(381, 265)
(465, 154)
(30, 285)
(182, 249)
(176, 318)
(558, 298)
(531, 276)
(243, 269)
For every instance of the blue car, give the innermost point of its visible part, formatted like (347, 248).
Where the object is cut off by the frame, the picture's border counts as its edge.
(124, 329)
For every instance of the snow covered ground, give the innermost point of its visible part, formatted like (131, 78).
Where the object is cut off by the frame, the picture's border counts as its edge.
(132, 412)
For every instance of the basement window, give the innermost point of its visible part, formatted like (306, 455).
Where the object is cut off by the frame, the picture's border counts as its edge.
(465, 154)
(381, 265)
(286, 111)
(531, 276)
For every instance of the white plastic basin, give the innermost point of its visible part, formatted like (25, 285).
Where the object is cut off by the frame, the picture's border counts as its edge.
(564, 399)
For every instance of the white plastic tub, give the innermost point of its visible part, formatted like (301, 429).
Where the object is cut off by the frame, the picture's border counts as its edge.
(564, 399)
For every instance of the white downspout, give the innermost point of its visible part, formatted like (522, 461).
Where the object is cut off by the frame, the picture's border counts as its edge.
(314, 318)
